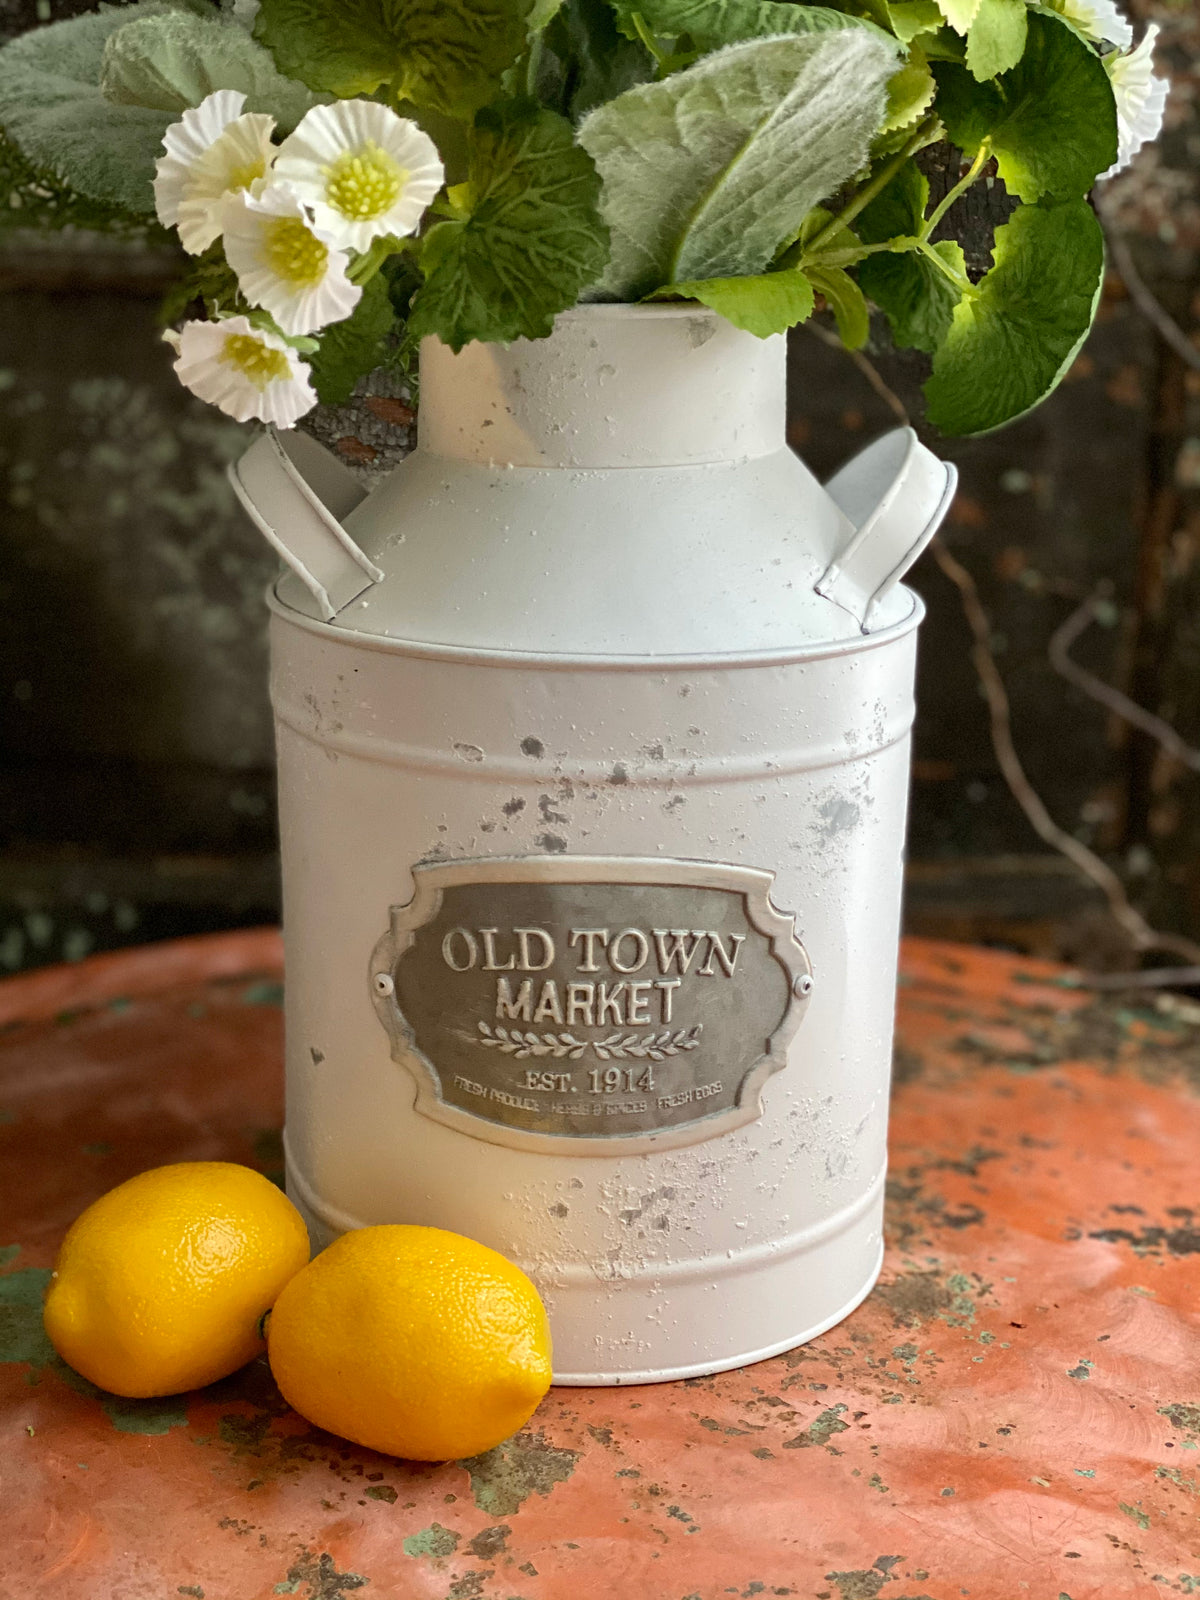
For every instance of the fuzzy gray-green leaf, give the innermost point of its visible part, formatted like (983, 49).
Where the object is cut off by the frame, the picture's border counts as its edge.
(707, 173)
(52, 109)
(172, 61)
(712, 23)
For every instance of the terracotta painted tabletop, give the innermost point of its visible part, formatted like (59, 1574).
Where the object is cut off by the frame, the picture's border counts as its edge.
(1014, 1412)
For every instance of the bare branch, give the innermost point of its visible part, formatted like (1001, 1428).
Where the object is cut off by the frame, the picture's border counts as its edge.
(1143, 296)
(1141, 934)
(867, 367)
(1120, 704)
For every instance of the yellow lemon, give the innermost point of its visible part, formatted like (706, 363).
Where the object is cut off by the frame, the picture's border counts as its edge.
(161, 1284)
(413, 1341)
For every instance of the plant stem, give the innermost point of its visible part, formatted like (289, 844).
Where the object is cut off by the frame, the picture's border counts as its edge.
(369, 263)
(964, 286)
(959, 189)
(648, 39)
(876, 186)
(532, 62)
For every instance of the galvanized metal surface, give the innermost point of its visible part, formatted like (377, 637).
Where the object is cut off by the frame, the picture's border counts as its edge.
(1015, 1411)
(601, 632)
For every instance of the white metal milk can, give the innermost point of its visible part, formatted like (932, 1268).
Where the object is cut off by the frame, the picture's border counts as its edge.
(593, 732)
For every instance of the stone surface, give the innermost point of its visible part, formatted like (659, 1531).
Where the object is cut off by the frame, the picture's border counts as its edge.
(1015, 1410)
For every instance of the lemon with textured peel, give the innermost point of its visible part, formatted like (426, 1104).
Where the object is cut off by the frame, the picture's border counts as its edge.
(161, 1284)
(413, 1341)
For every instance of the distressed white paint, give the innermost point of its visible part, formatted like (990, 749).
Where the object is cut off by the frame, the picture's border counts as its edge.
(614, 648)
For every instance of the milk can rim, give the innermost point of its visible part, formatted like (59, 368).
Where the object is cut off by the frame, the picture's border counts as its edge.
(556, 661)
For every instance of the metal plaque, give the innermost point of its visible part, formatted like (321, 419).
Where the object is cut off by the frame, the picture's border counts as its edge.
(600, 1005)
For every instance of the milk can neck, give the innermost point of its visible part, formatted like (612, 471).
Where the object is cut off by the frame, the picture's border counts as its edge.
(613, 386)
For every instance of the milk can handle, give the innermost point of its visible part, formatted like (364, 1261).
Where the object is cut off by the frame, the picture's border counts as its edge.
(295, 492)
(895, 493)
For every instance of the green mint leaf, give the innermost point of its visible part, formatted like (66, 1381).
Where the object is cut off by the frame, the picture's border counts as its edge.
(909, 18)
(352, 348)
(915, 295)
(960, 14)
(845, 299)
(770, 302)
(52, 109)
(917, 299)
(910, 91)
(530, 241)
(447, 54)
(712, 23)
(1011, 342)
(996, 39)
(708, 172)
(1052, 120)
(172, 61)
(898, 209)
(596, 62)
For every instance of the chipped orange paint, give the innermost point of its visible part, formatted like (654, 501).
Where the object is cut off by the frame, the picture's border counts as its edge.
(1015, 1411)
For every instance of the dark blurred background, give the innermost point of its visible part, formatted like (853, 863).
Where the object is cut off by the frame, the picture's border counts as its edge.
(136, 791)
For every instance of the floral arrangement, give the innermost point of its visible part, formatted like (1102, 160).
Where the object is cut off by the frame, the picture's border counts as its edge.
(348, 178)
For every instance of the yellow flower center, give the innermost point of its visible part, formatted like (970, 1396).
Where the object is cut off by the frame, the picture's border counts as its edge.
(254, 360)
(243, 177)
(294, 252)
(364, 183)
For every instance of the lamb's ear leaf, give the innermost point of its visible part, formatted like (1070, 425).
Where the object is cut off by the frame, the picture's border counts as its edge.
(709, 24)
(1010, 343)
(709, 172)
(172, 61)
(53, 110)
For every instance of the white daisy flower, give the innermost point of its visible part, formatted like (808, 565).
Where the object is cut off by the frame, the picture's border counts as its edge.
(283, 264)
(212, 150)
(1141, 99)
(361, 170)
(1097, 20)
(246, 372)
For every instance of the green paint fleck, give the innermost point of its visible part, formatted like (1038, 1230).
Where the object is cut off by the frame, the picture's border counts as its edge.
(193, 1589)
(1140, 1517)
(819, 1431)
(139, 1416)
(9, 1252)
(287, 1588)
(267, 992)
(22, 1337)
(1173, 1475)
(876, 1482)
(382, 1491)
(503, 1479)
(1085, 1472)
(1184, 1418)
(1083, 1370)
(432, 1541)
(946, 1492)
